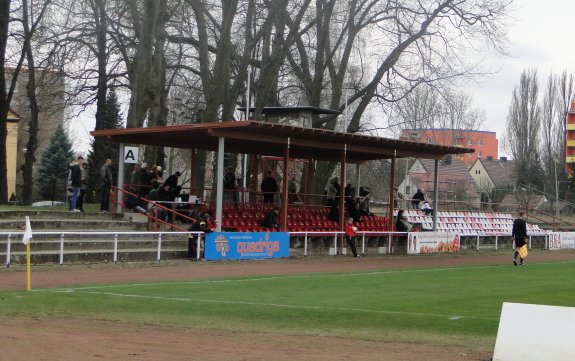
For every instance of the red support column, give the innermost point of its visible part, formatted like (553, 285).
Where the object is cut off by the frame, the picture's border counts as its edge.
(308, 178)
(193, 174)
(391, 192)
(284, 210)
(342, 182)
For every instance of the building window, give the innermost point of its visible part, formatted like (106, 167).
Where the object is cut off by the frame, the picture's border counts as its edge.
(480, 142)
(469, 142)
(428, 140)
(480, 154)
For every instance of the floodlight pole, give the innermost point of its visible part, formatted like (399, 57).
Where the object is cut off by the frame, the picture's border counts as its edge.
(220, 183)
(120, 180)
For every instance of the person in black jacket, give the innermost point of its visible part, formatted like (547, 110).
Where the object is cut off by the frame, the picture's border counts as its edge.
(269, 187)
(230, 185)
(202, 224)
(419, 196)
(271, 219)
(170, 189)
(76, 182)
(519, 234)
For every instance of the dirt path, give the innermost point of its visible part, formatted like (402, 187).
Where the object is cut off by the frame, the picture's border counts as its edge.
(79, 340)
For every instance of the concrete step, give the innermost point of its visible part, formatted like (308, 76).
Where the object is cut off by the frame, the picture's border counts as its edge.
(72, 225)
(50, 214)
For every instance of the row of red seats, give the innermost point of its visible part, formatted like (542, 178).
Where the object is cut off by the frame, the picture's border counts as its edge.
(300, 219)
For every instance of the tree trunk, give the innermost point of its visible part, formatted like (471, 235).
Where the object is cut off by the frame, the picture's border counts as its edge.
(142, 62)
(32, 145)
(4, 103)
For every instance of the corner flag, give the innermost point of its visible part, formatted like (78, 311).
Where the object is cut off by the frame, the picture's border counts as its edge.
(26, 240)
(28, 233)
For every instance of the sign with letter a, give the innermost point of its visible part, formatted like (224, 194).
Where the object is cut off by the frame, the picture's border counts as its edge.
(131, 155)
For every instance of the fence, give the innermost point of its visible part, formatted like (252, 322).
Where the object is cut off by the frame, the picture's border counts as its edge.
(61, 247)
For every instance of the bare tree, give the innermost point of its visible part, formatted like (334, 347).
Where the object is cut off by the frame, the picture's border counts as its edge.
(524, 127)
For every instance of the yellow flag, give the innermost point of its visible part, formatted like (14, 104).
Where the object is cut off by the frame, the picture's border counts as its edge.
(523, 251)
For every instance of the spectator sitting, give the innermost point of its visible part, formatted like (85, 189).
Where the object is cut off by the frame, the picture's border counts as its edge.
(364, 207)
(426, 207)
(271, 219)
(134, 204)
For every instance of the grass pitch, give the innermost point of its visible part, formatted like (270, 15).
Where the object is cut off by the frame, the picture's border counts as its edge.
(456, 306)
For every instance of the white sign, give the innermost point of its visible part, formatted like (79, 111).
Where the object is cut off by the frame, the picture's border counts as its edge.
(535, 333)
(131, 155)
(432, 242)
(561, 240)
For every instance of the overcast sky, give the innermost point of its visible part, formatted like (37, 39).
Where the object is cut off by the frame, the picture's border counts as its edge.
(542, 36)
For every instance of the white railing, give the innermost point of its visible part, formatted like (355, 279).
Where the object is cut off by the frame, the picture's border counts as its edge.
(159, 237)
(112, 237)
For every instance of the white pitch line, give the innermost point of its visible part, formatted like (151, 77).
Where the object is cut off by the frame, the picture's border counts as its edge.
(355, 274)
(324, 308)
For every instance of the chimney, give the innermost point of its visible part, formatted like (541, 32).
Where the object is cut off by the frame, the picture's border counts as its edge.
(503, 159)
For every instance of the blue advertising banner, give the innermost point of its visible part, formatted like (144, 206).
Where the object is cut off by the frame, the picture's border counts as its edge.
(246, 245)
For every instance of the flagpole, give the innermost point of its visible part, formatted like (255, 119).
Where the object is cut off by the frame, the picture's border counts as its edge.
(28, 265)
(26, 239)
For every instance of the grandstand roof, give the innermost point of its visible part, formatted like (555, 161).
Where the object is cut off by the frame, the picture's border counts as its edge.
(271, 139)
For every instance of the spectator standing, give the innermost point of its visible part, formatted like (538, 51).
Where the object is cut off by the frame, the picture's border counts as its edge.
(106, 179)
(76, 182)
(292, 190)
(230, 184)
(269, 187)
(135, 179)
(145, 180)
(399, 198)
(350, 230)
(170, 188)
(333, 192)
(80, 201)
(347, 191)
(419, 196)
(519, 234)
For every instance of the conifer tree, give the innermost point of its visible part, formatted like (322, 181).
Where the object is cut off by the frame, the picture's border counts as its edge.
(52, 175)
(103, 149)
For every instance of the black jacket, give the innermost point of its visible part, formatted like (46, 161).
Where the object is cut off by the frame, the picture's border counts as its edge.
(76, 175)
(269, 185)
(519, 231)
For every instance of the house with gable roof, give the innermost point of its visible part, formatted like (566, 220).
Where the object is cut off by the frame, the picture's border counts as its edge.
(454, 181)
(493, 174)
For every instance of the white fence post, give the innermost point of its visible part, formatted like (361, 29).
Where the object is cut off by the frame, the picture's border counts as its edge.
(305, 245)
(8, 250)
(477, 246)
(62, 249)
(363, 244)
(496, 241)
(159, 255)
(198, 245)
(335, 244)
(115, 260)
